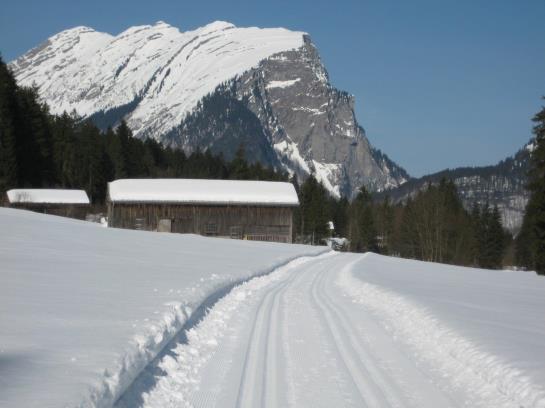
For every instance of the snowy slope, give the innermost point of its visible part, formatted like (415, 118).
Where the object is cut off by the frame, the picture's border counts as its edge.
(358, 330)
(165, 70)
(84, 308)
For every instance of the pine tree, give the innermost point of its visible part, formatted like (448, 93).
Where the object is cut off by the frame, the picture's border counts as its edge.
(362, 230)
(9, 167)
(115, 149)
(531, 240)
(238, 169)
(64, 150)
(385, 225)
(314, 210)
(497, 239)
(491, 239)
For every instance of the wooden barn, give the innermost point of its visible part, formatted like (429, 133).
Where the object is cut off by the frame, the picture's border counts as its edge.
(66, 203)
(253, 210)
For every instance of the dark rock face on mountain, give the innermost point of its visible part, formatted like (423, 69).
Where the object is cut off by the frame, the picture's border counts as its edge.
(502, 184)
(215, 88)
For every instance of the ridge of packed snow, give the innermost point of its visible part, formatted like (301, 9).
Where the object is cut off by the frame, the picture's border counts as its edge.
(92, 306)
(162, 69)
(47, 196)
(203, 191)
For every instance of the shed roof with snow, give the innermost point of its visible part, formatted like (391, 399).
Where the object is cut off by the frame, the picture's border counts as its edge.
(201, 191)
(47, 196)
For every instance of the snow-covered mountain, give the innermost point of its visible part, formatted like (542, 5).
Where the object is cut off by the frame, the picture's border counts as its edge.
(214, 88)
(503, 184)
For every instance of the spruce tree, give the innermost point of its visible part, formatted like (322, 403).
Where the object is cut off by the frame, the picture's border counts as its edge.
(314, 211)
(363, 232)
(385, 225)
(9, 167)
(497, 239)
(476, 244)
(531, 240)
(238, 169)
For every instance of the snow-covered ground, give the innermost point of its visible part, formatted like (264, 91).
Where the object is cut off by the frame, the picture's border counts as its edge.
(360, 331)
(83, 308)
(322, 330)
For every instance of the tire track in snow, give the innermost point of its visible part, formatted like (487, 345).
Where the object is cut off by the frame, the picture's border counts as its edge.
(369, 393)
(389, 387)
(295, 338)
(263, 352)
(180, 370)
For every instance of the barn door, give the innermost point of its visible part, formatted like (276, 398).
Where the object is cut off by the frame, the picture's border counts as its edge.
(164, 225)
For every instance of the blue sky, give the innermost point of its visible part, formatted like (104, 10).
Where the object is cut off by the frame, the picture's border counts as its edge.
(437, 83)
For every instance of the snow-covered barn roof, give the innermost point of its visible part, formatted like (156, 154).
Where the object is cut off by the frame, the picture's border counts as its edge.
(200, 191)
(47, 196)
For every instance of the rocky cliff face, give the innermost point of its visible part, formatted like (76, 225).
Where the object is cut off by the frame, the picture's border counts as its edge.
(502, 184)
(214, 88)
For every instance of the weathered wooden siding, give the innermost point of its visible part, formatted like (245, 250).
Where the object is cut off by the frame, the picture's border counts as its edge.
(64, 210)
(242, 222)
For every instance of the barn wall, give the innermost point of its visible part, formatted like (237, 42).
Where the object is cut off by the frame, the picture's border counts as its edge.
(64, 210)
(242, 222)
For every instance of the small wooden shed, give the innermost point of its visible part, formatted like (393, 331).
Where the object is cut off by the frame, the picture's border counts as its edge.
(253, 210)
(66, 203)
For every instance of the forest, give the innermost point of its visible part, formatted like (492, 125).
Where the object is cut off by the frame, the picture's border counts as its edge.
(38, 149)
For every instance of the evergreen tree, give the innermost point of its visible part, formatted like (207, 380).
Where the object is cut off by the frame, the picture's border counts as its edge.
(490, 239)
(238, 169)
(115, 148)
(9, 167)
(37, 167)
(64, 150)
(498, 239)
(531, 240)
(362, 231)
(339, 210)
(385, 225)
(314, 211)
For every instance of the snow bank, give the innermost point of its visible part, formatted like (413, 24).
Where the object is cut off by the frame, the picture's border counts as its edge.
(203, 191)
(83, 308)
(47, 196)
(481, 330)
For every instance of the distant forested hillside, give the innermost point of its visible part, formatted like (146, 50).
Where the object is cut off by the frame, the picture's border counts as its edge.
(502, 185)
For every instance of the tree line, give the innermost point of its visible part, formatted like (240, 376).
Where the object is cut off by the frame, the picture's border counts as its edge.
(432, 226)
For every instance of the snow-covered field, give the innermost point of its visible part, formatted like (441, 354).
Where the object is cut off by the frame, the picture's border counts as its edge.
(360, 331)
(84, 309)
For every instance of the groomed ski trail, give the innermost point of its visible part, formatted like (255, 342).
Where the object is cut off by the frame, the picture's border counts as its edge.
(296, 338)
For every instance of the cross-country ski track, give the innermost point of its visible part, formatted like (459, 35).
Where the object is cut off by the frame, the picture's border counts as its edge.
(315, 333)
